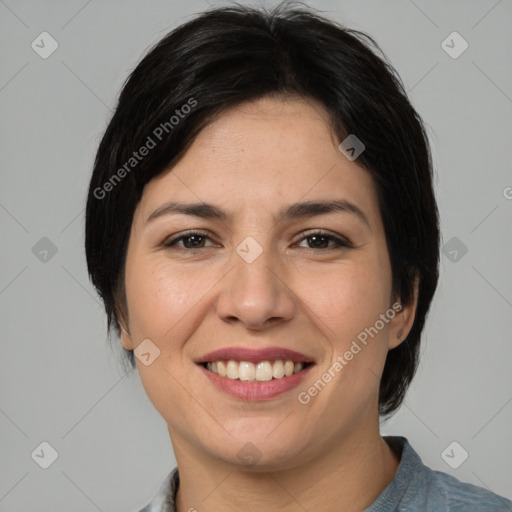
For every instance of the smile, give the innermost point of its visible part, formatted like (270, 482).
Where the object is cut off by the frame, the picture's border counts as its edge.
(262, 371)
(255, 374)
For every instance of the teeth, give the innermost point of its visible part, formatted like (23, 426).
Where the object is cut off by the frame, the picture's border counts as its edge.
(278, 369)
(221, 368)
(264, 371)
(247, 371)
(232, 370)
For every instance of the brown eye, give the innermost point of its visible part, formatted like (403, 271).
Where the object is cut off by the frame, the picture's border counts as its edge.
(189, 240)
(321, 240)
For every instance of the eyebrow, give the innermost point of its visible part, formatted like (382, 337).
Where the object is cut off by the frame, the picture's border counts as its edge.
(293, 211)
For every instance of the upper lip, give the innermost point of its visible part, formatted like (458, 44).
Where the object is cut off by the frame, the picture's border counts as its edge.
(254, 355)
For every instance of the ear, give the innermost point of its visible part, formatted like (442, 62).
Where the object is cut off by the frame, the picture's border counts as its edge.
(121, 316)
(126, 338)
(403, 320)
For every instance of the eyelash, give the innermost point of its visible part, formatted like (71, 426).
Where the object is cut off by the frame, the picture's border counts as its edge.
(340, 243)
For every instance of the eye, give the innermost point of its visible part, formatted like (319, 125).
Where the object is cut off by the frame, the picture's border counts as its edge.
(321, 240)
(191, 240)
(188, 240)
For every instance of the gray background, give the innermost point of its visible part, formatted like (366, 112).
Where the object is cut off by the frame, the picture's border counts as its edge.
(60, 381)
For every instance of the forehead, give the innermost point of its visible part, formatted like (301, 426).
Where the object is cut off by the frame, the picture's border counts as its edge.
(264, 153)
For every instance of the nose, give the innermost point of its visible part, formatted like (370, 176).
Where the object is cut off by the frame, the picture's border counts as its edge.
(256, 294)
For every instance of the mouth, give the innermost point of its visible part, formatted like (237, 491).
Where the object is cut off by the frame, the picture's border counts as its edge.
(262, 371)
(255, 374)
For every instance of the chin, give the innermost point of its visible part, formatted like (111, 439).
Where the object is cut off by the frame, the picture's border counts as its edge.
(260, 454)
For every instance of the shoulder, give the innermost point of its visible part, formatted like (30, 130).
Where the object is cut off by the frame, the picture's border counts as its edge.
(164, 499)
(461, 496)
(417, 487)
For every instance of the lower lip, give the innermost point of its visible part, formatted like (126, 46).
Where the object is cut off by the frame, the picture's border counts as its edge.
(255, 390)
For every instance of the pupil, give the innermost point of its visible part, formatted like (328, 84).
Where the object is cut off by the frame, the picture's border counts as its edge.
(197, 238)
(317, 238)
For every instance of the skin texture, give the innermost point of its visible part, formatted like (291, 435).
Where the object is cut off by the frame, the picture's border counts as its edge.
(251, 161)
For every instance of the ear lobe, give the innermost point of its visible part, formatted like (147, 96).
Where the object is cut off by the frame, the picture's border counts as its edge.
(126, 339)
(403, 321)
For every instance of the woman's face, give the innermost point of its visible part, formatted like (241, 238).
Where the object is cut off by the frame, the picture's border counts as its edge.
(262, 276)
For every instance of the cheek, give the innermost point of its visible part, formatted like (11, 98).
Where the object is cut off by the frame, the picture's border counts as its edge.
(347, 301)
(349, 298)
(162, 300)
(159, 295)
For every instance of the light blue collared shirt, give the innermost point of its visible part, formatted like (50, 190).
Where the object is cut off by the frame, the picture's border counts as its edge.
(414, 488)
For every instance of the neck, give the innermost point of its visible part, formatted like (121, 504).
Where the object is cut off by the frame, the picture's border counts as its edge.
(349, 476)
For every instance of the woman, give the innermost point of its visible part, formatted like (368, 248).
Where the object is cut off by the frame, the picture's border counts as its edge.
(262, 228)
